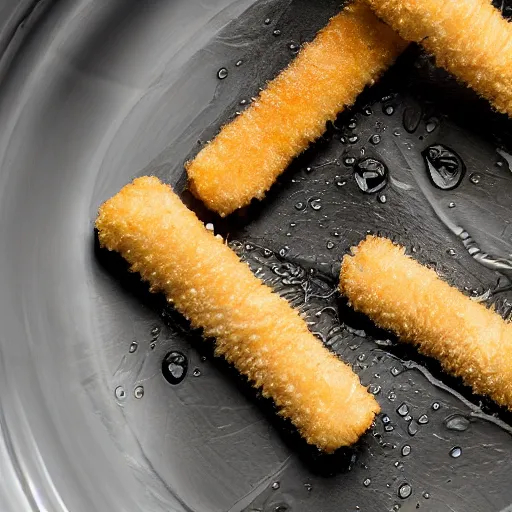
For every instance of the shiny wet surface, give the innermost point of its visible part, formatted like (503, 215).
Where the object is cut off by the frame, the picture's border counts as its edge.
(109, 400)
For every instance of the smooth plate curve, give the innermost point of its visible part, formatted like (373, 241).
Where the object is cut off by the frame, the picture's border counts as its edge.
(93, 95)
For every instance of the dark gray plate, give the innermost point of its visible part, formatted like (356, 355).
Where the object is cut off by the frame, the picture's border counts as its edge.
(96, 93)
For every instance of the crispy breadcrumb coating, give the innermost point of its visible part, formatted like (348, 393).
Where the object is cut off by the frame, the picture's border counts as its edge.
(399, 294)
(469, 38)
(255, 330)
(249, 153)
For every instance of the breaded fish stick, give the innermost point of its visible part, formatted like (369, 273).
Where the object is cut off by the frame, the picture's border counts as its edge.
(469, 38)
(256, 330)
(249, 153)
(399, 294)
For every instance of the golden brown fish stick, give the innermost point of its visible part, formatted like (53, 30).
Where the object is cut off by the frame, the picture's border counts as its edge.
(249, 153)
(469, 38)
(400, 295)
(255, 329)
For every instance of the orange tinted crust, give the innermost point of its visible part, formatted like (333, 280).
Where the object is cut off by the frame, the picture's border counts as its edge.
(469, 38)
(249, 153)
(255, 329)
(400, 295)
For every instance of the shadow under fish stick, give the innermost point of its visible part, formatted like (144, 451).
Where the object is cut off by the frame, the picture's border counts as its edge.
(255, 329)
(249, 153)
(400, 295)
(469, 38)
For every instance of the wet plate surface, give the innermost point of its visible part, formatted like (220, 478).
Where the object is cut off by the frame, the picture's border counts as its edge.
(110, 401)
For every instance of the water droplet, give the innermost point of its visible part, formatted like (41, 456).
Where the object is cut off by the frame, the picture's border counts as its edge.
(284, 251)
(408, 417)
(152, 345)
(386, 419)
(330, 245)
(268, 21)
(423, 419)
(222, 73)
(308, 487)
(389, 428)
(404, 491)
(367, 482)
(341, 183)
(361, 357)
(403, 410)
(138, 392)
(455, 452)
(451, 252)
(239, 63)
(391, 396)
(375, 389)
(349, 161)
(432, 124)
(395, 371)
(444, 166)
(411, 119)
(276, 485)
(353, 139)
(426, 495)
(120, 393)
(475, 178)
(396, 507)
(155, 332)
(294, 48)
(316, 203)
(436, 406)
(196, 372)
(412, 429)
(457, 423)
(367, 111)
(281, 508)
(375, 139)
(406, 450)
(451, 204)
(371, 175)
(382, 199)
(133, 347)
(389, 110)
(352, 124)
(277, 32)
(300, 206)
(174, 367)
(399, 465)
(397, 133)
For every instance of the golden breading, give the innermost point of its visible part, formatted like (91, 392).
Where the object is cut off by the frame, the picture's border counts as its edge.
(400, 295)
(469, 38)
(249, 153)
(255, 329)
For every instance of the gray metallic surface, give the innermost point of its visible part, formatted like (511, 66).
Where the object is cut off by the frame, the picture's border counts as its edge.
(97, 93)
